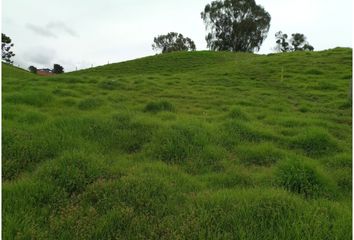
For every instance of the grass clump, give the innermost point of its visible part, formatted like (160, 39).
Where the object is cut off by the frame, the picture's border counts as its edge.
(314, 72)
(235, 132)
(178, 143)
(265, 214)
(316, 142)
(89, 104)
(304, 178)
(264, 154)
(155, 107)
(119, 133)
(109, 84)
(73, 171)
(209, 159)
(37, 99)
(237, 114)
(23, 149)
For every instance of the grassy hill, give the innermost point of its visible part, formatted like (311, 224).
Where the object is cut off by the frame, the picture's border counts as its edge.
(201, 145)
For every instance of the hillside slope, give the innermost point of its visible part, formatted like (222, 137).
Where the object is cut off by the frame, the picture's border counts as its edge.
(200, 145)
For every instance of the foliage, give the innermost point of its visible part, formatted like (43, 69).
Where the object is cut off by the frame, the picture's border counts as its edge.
(6, 45)
(296, 43)
(32, 69)
(235, 25)
(57, 69)
(282, 42)
(173, 42)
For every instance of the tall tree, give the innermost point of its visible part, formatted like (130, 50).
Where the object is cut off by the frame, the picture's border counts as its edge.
(172, 42)
(282, 42)
(58, 69)
(235, 25)
(6, 45)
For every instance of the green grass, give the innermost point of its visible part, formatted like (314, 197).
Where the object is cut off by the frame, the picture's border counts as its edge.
(192, 145)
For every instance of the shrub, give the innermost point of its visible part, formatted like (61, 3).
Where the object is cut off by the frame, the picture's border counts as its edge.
(160, 106)
(304, 178)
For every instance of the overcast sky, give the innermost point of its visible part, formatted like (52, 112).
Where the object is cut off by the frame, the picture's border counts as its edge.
(78, 33)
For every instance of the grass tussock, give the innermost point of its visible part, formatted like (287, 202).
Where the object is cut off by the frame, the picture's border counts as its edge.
(304, 178)
(155, 107)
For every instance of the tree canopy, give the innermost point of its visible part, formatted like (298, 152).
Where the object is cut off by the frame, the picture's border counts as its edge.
(172, 42)
(57, 69)
(282, 42)
(297, 42)
(6, 45)
(32, 69)
(235, 25)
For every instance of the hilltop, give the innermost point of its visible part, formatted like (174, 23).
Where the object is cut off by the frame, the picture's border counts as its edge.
(186, 145)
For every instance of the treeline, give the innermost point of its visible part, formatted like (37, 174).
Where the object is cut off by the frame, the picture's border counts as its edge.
(232, 25)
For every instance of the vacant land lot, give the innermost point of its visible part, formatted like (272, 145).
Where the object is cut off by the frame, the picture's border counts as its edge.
(202, 145)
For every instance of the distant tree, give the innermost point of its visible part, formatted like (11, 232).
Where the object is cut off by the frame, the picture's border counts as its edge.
(297, 42)
(282, 42)
(32, 69)
(6, 45)
(173, 42)
(235, 25)
(58, 69)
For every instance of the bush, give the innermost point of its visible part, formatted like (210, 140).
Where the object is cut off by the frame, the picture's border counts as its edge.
(304, 178)
(156, 107)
